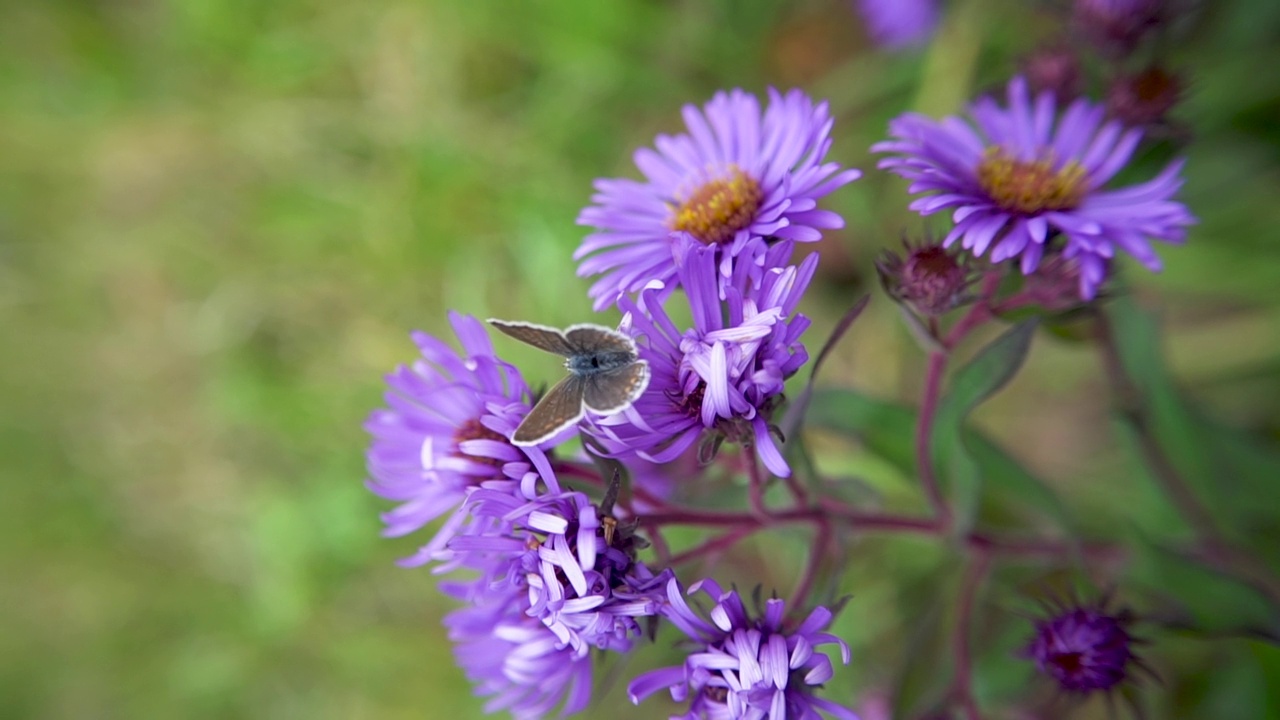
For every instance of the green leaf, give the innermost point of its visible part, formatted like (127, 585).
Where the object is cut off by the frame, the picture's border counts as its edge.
(887, 430)
(981, 378)
(794, 416)
(1190, 594)
(1232, 474)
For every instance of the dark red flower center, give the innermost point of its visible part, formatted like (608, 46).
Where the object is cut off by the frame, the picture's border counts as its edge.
(691, 403)
(1070, 663)
(1030, 187)
(719, 208)
(473, 429)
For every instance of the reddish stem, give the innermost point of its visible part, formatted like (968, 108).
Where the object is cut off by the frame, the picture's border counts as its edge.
(962, 686)
(672, 515)
(755, 490)
(715, 544)
(924, 435)
(804, 586)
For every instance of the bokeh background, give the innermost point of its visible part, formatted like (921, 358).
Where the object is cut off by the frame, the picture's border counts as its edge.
(220, 219)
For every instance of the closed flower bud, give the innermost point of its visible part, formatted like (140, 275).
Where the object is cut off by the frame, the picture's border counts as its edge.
(930, 279)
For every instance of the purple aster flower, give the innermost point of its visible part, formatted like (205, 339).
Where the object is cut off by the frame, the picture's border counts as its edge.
(1084, 648)
(578, 574)
(516, 659)
(742, 667)
(444, 432)
(1016, 183)
(725, 373)
(738, 179)
(896, 24)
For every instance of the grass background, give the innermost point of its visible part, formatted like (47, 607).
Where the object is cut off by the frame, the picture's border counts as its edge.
(219, 221)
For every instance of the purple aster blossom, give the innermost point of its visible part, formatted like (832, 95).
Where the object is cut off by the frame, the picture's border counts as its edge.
(744, 667)
(514, 658)
(444, 432)
(738, 180)
(1084, 648)
(726, 373)
(1015, 183)
(577, 574)
(896, 24)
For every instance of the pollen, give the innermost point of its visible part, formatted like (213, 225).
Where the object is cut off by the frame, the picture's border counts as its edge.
(473, 429)
(719, 208)
(1027, 188)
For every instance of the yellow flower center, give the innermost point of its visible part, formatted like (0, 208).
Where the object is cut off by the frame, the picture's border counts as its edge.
(719, 208)
(1030, 187)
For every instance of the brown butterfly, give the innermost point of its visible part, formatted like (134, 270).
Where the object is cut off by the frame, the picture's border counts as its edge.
(605, 376)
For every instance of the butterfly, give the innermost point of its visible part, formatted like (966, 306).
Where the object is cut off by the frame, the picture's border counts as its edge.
(606, 376)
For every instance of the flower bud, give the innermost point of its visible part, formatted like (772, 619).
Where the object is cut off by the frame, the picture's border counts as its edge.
(1144, 98)
(930, 280)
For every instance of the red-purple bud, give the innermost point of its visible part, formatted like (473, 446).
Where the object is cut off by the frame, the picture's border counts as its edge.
(1055, 69)
(1084, 648)
(1117, 26)
(930, 279)
(1144, 98)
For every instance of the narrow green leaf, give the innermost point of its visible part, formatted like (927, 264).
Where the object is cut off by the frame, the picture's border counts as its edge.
(1190, 594)
(887, 430)
(984, 376)
(1232, 474)
(794, 416)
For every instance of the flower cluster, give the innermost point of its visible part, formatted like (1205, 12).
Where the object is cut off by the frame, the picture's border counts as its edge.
(723, 375)
(549, 578)
(583, 582)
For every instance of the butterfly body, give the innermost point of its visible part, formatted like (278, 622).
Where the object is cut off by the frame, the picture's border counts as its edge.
(605, 376)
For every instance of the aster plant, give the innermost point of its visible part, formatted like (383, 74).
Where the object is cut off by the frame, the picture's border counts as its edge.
(579, 550)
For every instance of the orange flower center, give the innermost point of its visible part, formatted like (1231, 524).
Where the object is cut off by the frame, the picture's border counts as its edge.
(1027, 188)
(719, 208)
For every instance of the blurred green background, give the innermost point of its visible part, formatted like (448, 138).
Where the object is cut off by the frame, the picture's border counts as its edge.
(219, 221)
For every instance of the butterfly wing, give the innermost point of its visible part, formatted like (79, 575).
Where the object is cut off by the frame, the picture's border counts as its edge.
(612, 391)
(539, 336)
(598, 340)
(560, 408)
